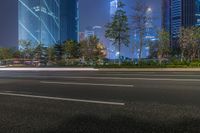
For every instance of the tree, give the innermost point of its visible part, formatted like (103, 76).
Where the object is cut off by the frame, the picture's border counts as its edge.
(118, 29)
(41, 54)
(196, 44)
(71, 49)
(184, 41)
(153, 50)
(58, 53)
(189, 43)
(92, 50)
(51, 54)
(101, 52)
(139, 23)
(163, 45)
(5, 53)
(26, 48)
(17, 54)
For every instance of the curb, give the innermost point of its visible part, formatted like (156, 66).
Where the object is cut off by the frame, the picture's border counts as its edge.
(48, 69)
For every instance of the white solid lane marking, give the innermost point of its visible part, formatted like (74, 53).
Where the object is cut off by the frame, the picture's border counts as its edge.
(63, 99)
(152, 75)
(148, 79)
(89, 84)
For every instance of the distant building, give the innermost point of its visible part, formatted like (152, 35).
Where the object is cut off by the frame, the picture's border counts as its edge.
(69, 20)
(166, 14)
(111, 49)
(113, 7)
(93, 31)
(48, 21)
(150, 33)
(197, 12)
(89, 32)
(150, 28)
(98, 31)
(180, 13)
(81, 36)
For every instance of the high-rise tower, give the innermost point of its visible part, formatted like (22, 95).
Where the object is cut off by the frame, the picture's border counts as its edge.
(69, 20)
(47, 22)
(166, 13)
(113, 7)
(179, 13)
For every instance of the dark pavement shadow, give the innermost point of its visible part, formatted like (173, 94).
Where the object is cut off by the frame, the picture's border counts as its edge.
(123, 124)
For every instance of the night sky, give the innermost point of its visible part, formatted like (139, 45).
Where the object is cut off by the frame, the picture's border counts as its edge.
(92, 12)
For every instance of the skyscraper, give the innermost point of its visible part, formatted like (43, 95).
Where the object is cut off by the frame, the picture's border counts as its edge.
(113, 7)
(47, 22)
(111, 48)
(180, 13)
(69, 20)
(166, 8)
(150, 29)
(197, 12)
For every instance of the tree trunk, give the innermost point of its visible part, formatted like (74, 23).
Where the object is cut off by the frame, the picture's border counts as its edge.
(198, 53)
(182, 56)
(132, 51)
(119, 44)
(141, 45)
(119, 53)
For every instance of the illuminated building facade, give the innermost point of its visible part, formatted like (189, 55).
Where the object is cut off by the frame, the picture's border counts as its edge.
(111, 48)
(113, 7)
(197, 12)
(47, 22)
(166, 13)
(69, 20)
(180, 13)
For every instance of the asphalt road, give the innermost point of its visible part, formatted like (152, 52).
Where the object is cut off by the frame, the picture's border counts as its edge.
(151, 101)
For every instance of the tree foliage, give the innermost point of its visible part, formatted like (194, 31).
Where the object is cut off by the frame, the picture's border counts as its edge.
(26, 48)
(71, 49)
(6, 53)
(163, 44)
(92, 50)
(118, 30)
(189, 40)
(140, 20)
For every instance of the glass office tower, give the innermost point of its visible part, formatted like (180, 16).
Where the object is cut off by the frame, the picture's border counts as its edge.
(197, 13)
(176, 17)
(166, 7)
(39, 21)
(184, 13)
(69, 16)
(47, 22)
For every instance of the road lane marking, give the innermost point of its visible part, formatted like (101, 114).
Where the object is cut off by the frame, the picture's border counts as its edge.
(147, 79)
(110, 78)
(89, 84)
(152, 75)
(62, 99)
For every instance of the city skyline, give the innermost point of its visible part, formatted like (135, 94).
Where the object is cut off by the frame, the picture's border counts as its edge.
(9, 28)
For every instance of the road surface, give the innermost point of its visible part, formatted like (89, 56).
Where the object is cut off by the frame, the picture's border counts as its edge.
(99, 101)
